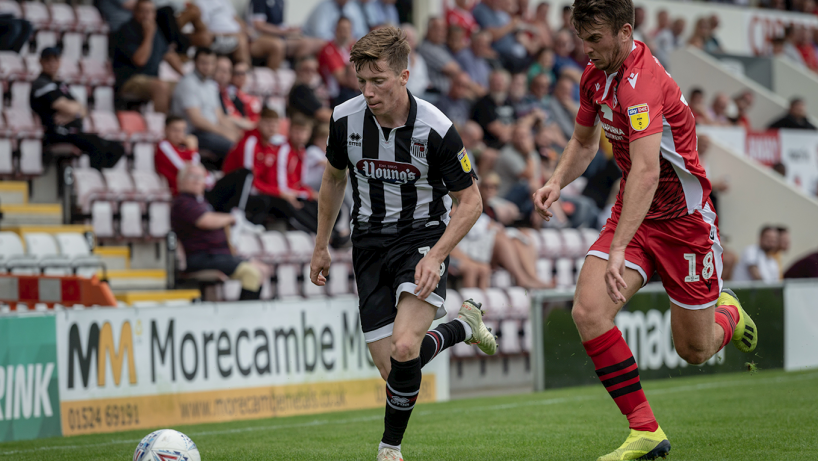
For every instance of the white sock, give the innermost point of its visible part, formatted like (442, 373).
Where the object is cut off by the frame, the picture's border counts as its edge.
(466, 327)
(383, 445)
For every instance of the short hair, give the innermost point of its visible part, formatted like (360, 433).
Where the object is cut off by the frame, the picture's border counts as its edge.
(782, 228)
(203, 51)
(796, 100)
(695, 92)
(299, 119)
(268, 112)
(343, 18)
(767, 227)
(613, 13)
(387, 43)
(171, 119)
(144, 1)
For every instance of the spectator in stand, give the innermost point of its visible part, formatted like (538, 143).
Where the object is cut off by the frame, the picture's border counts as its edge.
(493, 16)
(334, 66)
(267, 18)
(304, 97)
(743, 102)
(324, 17)
(196, 98)
(457, 104)
(543, 64)
(667, 41)
(175, 151)
(805, 46)
(783, 246)
(248, 106)
(474, 60)
(795, 118)
(472, 136)
(540, 26)
(699, 108)
(380, 13)
(638, 22)
(718, 110)
(563, 62)
(460, 15)
(439, 61)
(170, 22)
(789, 48)
(712, 45)
(804, 268)
(538, 95)
(418, 82)
(61, 115)
(518, 166)
(563, 107)
(222, 76)
(200, 230)
(230, 36)
(662, 23)
(517, 92)
(14, 31)
(757, 261)
(701, 34)
(137, 52)
(315, 157)
(567, 19)
(493, 111)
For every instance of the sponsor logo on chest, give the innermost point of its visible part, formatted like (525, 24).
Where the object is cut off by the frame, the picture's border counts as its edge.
(388, 171)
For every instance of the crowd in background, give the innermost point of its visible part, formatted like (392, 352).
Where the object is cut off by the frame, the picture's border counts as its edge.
(506, 76)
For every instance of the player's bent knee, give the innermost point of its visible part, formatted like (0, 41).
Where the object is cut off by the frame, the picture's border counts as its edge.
(692, 354)
(403, 350)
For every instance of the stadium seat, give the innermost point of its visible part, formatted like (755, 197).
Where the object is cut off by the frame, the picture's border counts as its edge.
(44, 247)
(519, 301)
(80, 93)
(31, 157)
(496, 303)
(12, 66)
(71, 45)
(501, 278)
(287, 281)
(6, 156)
(263, 81)
(143, 156)
(452, 304)
(475, 294)
(11, 7)
(155, 122)
(93, 200)
(545, 270)
(62, 18)
(20, 92)
(551, 243)
(578, 263)
(132, 124)
(572, 243)
(301, 245)
(248, 245)
(75, 246)
(565, 272)
(589, 236)
(21, 123)
(275, 246)
(130, 220)
(44, 39)
(104, 99)
(89, 19)
(338, 282)
(310, 290)
(98, 47)
(37, 14)
(13, 257)
(69, 71)
(509, 323)
(120, 185)
(96, 72)
(33, 67)
(106, 125)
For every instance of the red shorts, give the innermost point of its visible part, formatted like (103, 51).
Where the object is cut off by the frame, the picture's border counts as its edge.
(686, 252)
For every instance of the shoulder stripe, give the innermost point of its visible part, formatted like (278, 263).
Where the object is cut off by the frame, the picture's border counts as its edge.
(356, 104)
(45, 90)
(433, 117)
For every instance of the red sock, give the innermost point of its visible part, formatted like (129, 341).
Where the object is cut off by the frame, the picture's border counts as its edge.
(727, 317)
(619, 373)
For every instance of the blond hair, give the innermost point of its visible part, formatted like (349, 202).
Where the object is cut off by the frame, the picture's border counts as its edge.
(387, 43)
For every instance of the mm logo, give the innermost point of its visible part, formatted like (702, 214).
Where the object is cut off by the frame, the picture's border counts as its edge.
(100, 344)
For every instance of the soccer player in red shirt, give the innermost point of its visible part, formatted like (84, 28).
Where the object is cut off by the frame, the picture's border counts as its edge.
(662, 221)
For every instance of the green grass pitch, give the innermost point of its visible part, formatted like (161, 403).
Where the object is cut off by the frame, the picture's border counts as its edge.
(770, 415)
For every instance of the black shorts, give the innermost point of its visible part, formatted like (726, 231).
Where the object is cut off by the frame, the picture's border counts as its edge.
(383, 274)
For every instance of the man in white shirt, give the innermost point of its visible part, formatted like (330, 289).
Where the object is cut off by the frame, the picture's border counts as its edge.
(230, 36)
(757, 261)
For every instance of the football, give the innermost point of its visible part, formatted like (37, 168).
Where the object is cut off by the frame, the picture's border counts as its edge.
(166, 445)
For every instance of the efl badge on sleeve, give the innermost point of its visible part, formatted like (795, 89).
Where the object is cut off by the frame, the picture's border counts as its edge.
(640, 116)
(464, 160)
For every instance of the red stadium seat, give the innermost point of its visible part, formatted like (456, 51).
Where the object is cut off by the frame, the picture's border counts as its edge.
(89, 19)
(62, 16)
(37, 14)
(132, 124)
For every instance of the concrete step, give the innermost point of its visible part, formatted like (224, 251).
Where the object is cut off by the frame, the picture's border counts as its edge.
(137, 279)
(115, 257)
(30, 214)
(14, 192)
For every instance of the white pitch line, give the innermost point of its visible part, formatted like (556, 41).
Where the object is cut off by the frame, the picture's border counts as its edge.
(324, 422)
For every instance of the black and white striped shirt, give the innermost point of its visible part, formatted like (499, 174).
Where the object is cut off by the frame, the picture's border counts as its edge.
(401, 178)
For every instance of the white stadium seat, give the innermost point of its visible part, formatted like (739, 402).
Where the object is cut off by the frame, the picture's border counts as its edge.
(565, 272)
(44, 247)
(551, 243)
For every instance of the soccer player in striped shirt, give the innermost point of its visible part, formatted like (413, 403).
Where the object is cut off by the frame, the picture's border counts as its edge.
(663, 219)
(406, 163)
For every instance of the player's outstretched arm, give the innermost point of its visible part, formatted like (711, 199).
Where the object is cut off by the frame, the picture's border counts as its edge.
(576, 157)
(330, 198)
(639, 190)
(469, 208)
